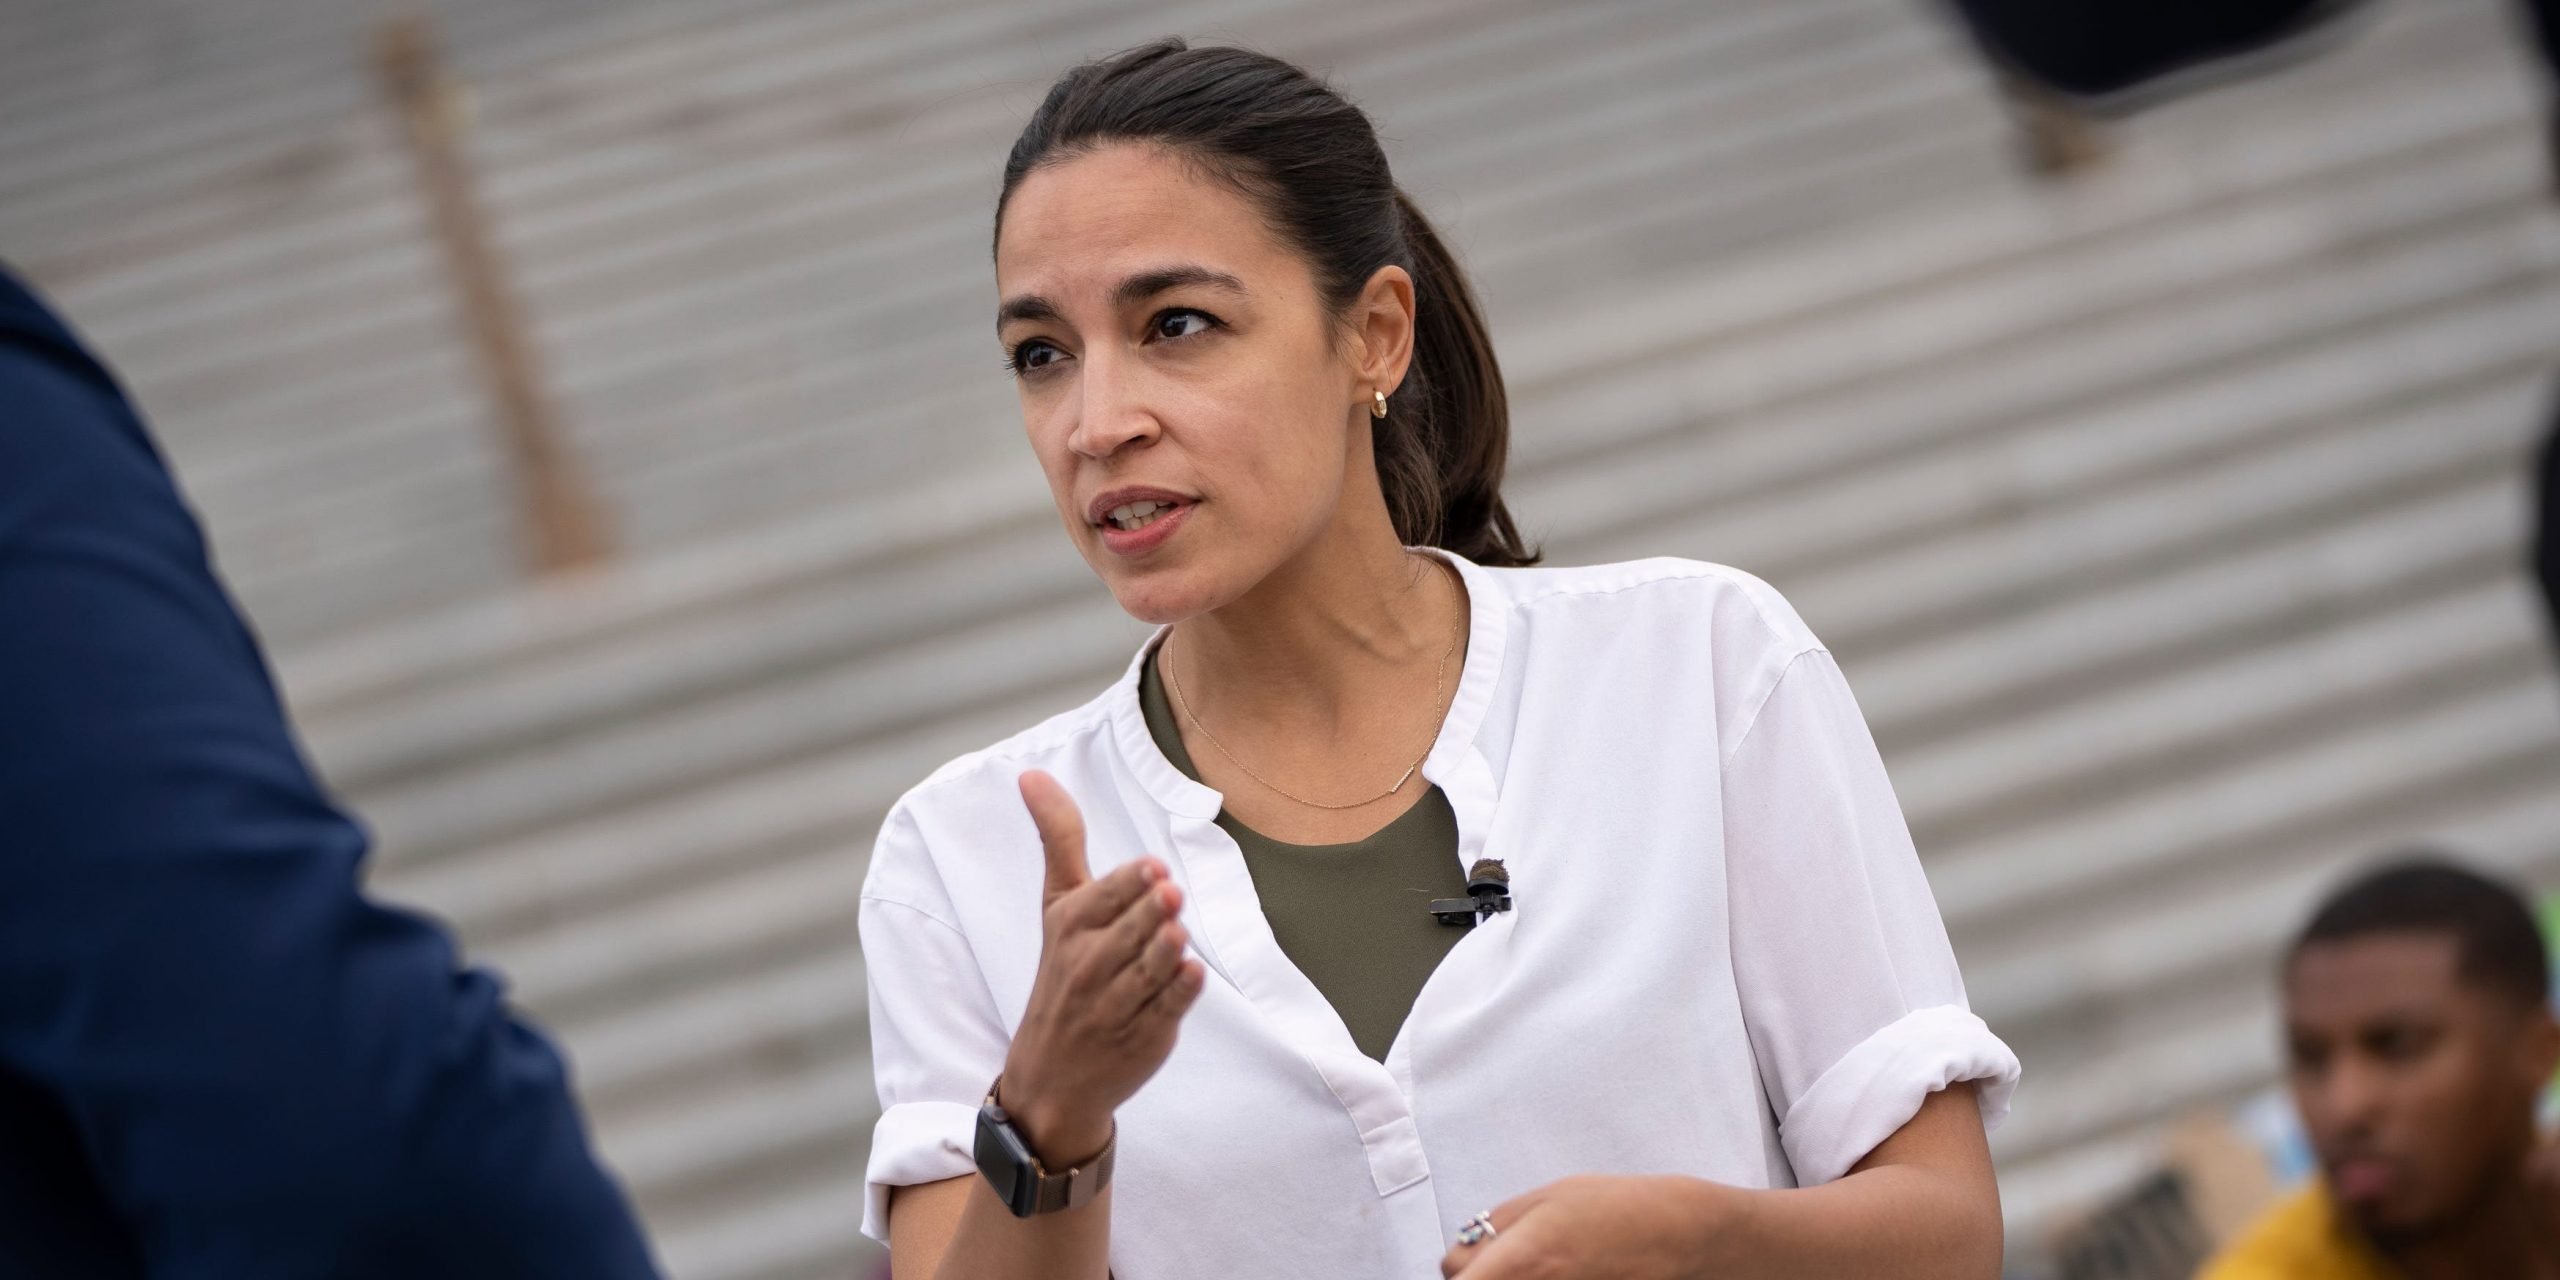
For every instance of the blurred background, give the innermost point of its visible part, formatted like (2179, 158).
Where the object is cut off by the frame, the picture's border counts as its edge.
(596, 407)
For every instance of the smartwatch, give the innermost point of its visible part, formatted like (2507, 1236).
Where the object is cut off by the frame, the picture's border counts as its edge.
(1021, 1181)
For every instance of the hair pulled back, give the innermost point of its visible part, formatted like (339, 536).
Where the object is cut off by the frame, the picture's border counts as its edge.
(1311, 163)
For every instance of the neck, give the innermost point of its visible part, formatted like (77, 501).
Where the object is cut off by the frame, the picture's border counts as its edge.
(2500, 1236)
(1350, 617)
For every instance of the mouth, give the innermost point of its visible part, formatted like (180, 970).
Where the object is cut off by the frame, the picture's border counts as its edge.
(1133, 507)
(1130, 517)
(1134, 522)
(2363, 1180)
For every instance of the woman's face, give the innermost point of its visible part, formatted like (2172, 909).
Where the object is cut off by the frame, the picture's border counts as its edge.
(1200, 414)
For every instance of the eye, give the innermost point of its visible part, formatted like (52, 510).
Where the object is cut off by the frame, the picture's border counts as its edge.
(2307, 1057)
(1181, 322)
(2402, 1044)
(2398, 1042)
(1031, 356)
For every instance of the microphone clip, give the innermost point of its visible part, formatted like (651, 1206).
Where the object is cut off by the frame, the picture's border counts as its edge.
(1488, 891)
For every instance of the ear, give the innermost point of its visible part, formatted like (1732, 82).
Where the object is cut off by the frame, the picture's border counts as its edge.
(2539, 1047)
(1382, 330)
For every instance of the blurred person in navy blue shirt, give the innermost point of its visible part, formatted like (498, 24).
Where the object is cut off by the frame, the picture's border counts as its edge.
(217, 1057)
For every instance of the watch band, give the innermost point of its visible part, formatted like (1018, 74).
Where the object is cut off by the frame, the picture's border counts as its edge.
(1026, 1186)
(1076, 1187)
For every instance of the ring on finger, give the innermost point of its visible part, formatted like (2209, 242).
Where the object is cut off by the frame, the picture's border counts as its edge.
(1478, 1230)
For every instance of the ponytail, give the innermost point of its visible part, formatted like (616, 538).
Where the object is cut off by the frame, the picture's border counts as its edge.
(1447, 434)
(1312, 161)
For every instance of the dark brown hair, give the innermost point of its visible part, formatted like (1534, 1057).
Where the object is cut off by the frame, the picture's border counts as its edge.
(2489, 923)
(1310, 160)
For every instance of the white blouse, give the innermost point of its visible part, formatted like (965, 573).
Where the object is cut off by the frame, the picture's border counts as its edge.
(1722, 958)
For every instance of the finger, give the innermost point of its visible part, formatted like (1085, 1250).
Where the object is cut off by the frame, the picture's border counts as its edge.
(1138, 981)
(1099, 904)
(1505, 1255)
(1174, 999)
(1092, 953)
(1125, 937)
(1061, 826)
(1457, 1258)
(1461, 1256)
(1506, 1218)
(1501, 1258)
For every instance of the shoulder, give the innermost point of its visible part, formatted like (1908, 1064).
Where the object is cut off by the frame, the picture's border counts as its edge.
(1065, 742)
(1707, 639)
(1666, 591)
(72, 450)
(973, 797)
(2294, 1237)
(963, 828)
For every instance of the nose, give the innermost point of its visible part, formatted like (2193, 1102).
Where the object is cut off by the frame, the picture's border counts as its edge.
(2353, 1094)
(1111, 411)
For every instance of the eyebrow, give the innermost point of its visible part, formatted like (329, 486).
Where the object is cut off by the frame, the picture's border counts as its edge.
(1137, 288)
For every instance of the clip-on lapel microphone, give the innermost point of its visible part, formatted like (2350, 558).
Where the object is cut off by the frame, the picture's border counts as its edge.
(1488, 891)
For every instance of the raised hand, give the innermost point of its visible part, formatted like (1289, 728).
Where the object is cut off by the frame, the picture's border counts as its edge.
(1110, 993)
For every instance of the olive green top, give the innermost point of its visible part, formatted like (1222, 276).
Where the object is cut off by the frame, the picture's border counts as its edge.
(1355, 918)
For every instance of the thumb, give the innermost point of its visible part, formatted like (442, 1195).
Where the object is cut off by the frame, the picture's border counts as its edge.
(1061, 833)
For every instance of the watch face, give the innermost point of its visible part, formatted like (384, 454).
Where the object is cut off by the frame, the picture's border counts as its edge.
(1006, 1162)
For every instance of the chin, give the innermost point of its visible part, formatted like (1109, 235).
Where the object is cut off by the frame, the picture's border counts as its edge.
(1163, 595)
(2395, 1222)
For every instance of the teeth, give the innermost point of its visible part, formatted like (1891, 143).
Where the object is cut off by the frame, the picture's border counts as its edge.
(1136, 514)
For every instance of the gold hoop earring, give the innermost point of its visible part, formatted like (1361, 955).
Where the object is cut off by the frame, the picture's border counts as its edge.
(1378, 404)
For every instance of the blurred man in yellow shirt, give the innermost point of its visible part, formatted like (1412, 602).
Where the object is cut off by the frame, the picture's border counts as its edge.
(2419, 1033)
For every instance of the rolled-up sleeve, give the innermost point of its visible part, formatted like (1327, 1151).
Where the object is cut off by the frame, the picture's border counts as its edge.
(936, 1040)
(1850, 991)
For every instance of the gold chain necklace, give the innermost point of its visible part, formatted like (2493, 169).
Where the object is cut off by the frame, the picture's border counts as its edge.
(1438, 677)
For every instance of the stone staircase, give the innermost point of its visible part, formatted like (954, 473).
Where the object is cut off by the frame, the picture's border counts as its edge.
(2168, 521)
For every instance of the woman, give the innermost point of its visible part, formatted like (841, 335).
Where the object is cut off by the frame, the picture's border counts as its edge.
(1271, 418)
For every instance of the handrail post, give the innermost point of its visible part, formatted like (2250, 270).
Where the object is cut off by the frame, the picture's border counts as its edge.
(561, 522)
